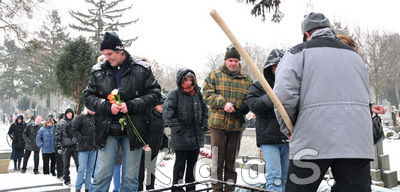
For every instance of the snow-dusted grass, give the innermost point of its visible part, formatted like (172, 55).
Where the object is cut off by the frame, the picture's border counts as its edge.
(246, 176)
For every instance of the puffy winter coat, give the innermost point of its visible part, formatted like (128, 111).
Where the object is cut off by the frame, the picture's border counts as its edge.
(83, 128)
(138, 89)
(64, 136)
(267, 127)
(186, 115)
(15, 132)
(45, 139)
(29, 135)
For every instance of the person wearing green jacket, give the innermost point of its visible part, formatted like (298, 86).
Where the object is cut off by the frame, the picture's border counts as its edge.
(224, 92)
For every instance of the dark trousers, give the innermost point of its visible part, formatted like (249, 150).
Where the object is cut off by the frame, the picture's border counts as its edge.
(46, 158)
(150, 168)
(35, 160)
(68, 153)
(185, 158)
(227, 143)
(59, 164)
(349, 174)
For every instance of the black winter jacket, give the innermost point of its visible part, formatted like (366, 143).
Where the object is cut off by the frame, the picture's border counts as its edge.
(64, 138)
(187, 117)
(29, 136)
(15, 132)
(138, 89)
(267, 127)
(155, 132)
(83, 128)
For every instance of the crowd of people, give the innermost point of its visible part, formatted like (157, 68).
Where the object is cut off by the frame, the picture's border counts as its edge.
(322, 83)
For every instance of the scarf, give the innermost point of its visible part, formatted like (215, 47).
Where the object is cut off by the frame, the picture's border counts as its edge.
(188, 88)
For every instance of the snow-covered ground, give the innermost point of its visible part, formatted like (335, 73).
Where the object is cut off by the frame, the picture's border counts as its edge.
(164, 170)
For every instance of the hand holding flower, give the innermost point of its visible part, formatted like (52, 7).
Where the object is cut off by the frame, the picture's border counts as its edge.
(114, 109)
(119, 106)
(123, 108)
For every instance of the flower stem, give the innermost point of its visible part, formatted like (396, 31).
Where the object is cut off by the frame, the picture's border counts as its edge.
(135, 130)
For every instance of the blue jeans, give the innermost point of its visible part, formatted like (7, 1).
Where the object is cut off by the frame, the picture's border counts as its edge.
(117, 178)
(276, 159)
(86, 164)
(106, 162)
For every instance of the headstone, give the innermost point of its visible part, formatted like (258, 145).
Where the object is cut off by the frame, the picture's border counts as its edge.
(248, 146)
(4, 160)
(390, 178)
(376, 175)
(384, 162)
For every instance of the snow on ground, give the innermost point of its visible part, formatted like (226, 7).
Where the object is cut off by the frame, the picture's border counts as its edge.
(246, 176)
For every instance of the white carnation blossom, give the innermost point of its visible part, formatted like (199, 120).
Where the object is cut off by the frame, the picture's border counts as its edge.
(114, 92)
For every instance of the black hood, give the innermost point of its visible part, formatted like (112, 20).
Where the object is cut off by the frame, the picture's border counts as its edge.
(66, 111)
(181, 73)
(19, 117)
(273, 59)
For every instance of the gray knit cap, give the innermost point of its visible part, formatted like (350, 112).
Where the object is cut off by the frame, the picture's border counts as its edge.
(314, 20)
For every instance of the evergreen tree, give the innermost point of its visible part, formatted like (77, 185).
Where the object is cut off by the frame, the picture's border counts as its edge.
(104, 15)
(11, 59)
(73, 69)
(265, 6)
(44, 52)
(23, 103)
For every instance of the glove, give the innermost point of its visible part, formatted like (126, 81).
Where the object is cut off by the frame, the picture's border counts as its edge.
(60, 151)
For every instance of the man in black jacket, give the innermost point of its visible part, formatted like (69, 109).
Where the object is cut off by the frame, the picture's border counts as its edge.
(83, 128)
(139, 93)
(273, 143)
(66, 143)
(29, 136)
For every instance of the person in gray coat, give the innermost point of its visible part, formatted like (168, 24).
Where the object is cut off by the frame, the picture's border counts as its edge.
(323, 85)
(186, 114)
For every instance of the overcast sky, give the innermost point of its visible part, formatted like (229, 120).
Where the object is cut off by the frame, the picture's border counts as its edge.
(182, 32)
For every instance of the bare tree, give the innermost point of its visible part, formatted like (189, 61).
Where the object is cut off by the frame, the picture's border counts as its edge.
(376, 59)
(12, 9)
(214, 61)
(391, 46)
(165, 76)
(258, 54)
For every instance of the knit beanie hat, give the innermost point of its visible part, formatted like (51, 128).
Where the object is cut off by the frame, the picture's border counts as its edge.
(314, 20)
(231, 52)
(111, 41)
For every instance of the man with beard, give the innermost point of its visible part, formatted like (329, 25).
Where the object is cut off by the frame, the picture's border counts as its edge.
(224, 92)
